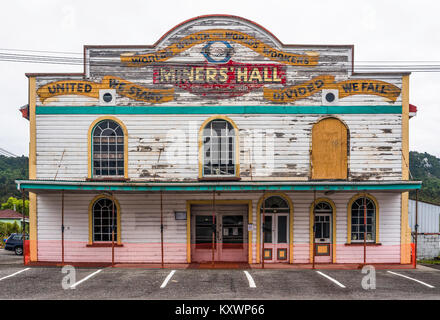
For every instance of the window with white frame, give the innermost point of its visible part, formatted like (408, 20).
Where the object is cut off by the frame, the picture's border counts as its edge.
(219, 149)
(108, 149)
(105, 215)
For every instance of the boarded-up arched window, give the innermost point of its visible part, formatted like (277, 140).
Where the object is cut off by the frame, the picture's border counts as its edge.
(329, 149)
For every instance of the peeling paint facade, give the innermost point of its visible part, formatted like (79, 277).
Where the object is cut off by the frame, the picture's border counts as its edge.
(225, 145)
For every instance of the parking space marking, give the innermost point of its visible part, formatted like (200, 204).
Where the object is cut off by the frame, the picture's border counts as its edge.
(165, 282)
(73, 286)
(11, 275)
(331, 279)
(421, 282)
(250, 279)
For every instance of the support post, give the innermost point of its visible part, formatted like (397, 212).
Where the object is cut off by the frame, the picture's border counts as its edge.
(161, 227)
(365, 229)
(213, 228)
(23, 227)
(417, 228)
(264, 227)
(113, 230)
(314, 230)
(62, 227)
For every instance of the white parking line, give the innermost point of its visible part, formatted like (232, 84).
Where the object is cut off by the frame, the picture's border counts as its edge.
(421, 282)
(251, 281)
(165, 282)
(11, 275)
(331, 279)
(73, 286)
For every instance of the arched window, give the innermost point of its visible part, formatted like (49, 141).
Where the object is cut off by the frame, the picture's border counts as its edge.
(104, 216)
(329, 149)
(357, 210)
(108, 149)
(219, 149)
(275, 204)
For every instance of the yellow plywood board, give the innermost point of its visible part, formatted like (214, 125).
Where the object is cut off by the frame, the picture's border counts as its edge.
(329, 150)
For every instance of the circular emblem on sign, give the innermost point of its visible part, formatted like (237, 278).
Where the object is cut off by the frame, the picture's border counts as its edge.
(330, 97)
(217, 51)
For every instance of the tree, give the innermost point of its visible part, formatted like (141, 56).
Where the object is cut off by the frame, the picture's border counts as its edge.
(16, 204)
(11, 169)
(425, 167)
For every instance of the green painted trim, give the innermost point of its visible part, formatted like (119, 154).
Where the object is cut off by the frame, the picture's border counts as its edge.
(226, 187)
(381, 109)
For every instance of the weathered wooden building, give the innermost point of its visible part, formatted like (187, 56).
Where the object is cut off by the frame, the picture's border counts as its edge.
(219, 143)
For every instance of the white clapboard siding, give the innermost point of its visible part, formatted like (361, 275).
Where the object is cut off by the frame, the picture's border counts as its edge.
(275, 145)
(140, 227)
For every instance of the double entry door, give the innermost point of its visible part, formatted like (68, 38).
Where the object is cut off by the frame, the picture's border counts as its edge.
(276, 237)
(219, 234)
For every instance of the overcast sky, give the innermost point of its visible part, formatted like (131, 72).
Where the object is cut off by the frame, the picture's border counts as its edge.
(380, 30)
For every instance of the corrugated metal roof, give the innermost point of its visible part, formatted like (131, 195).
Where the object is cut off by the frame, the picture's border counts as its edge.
(428, 216)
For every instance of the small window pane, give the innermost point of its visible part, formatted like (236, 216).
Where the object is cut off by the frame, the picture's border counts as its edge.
(282, 229)
(267, 229)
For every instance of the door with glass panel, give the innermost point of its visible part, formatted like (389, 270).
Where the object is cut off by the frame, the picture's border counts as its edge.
(233, 236)
(323, 232)
(219, 234)
(275, 229)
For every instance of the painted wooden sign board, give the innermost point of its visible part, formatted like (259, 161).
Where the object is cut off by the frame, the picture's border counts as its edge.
(235, 63)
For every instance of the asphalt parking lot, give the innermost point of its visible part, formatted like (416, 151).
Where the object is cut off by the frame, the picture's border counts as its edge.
(18, 282)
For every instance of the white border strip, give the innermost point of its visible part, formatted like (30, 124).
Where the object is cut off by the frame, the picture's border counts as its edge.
(73, 286)
(11, 275)
(251, 281)
(331, 279)
(421, 282)
(165, 282)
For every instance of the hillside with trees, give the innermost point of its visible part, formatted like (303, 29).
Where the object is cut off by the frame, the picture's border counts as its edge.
(426, 167)
(11, 169)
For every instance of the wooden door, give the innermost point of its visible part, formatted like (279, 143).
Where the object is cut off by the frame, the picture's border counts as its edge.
(329, 150)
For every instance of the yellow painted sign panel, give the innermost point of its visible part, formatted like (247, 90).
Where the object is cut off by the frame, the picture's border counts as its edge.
(91, 89)
(139, 60)
(345, 89)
